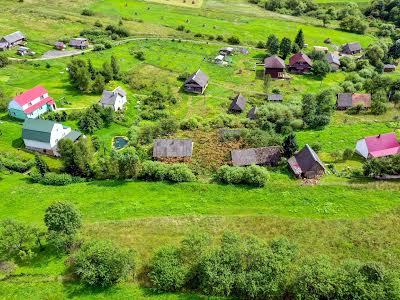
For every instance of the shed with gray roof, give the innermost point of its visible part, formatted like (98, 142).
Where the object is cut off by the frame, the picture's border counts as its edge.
(11, 40)
(196, 83)
(79, 43)
(257, 156)
(238, 104)
(173, 149)
(306, 163)
(351, 48)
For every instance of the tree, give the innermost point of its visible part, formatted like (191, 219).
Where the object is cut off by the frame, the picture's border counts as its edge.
(290, 145)
(79, 74)
(309, 109)
(16, 239)
(102, 263)
(3, 61)
(167, 270)
(115, 67)
(321, 68)
(98, 84)
(128, 163)
(285, 47)
(315, 279)
(299, 40)
(354, 24)
(107, 72)
(91, 70)
(63, 217)
(272, 44)
(41, 165)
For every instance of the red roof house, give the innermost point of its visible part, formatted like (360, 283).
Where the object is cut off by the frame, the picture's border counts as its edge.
(378, 146)
(31, 104)
(300, 63)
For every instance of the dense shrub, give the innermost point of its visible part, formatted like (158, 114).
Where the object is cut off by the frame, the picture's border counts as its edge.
(382, 166)
(87, 12)
(102, 264)
(252, 175)
(190, 124)
(16, 165)
(63, 217)
(51, 178)
(153, 171)
(179, 173)
(167, 271)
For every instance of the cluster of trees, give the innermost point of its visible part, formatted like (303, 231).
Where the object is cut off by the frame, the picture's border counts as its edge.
(249, 268)
(96, 117)
(253, 175)
(85, 77)
(22, 241)
(284, 47)
(320, 67)
(382, 166)
(317, 109)
(387, 10)
(153, 107)
(350, 16)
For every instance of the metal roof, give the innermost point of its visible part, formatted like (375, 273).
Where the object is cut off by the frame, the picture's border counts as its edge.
(172, 148)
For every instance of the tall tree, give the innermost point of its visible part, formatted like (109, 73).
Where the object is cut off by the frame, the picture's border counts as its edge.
(107, 72)
(98, 84)
(115, 67)
(285, 47)
(272, 44)
(41, 165)
(299, 40)
(290, 145)
(91, 70)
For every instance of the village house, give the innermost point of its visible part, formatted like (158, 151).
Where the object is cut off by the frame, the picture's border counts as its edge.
(348, 100)
(244, 51)
(321, 49)
(378, 146)
(31, 104)
(25, 51)
(11, 40)
(238, 104)
(275, 67)
(196, 83)
(252, 114)
(275, 97)
(389, 68)
(351, 48)
(264, 156)
(79, 43)
(306, 163)
(300, 63)
(60, 46)
(173, 150)
(43, 135)
(226, 51)
(115, 99)
(333, 61)
(220, 60)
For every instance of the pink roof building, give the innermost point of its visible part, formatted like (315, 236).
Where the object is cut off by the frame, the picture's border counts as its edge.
(31, 104)
(378, 146)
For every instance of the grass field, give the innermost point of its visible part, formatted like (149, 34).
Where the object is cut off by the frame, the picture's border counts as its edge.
(339, 217)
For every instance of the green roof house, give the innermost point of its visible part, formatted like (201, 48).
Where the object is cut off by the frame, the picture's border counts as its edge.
(44, 135)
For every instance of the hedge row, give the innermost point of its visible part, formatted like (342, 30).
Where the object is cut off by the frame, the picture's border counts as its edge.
(17, 165)
(51, 178)
(157, 171)
(252, 175)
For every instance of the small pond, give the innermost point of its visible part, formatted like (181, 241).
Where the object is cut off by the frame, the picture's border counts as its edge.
(120, 142)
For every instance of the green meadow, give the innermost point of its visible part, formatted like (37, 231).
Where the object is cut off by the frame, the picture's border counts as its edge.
(340, 217)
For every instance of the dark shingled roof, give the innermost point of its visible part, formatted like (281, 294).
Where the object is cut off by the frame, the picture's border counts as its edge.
(352, 47)
(256, 156)
(238, 103)
(109, 97)
(346, 100)
(14, 37)
(275, 97)
(274, 62)
(172, 148)
(333, 58)
(198, 77)
(300, 57)
(304, 160)
(252, 113)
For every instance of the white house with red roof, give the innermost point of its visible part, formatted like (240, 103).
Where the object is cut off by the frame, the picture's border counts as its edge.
(378, 146)
(31, 104)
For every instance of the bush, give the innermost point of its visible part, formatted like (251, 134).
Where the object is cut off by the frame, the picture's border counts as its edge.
(233, 40)
(63, 217)
(179, 173)
(167, 272)
(16, 165)
(153, 171)
(190, 124)
(87, 12)
(102, 264)
(51, 178)
(253, 175)
(3, 61)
